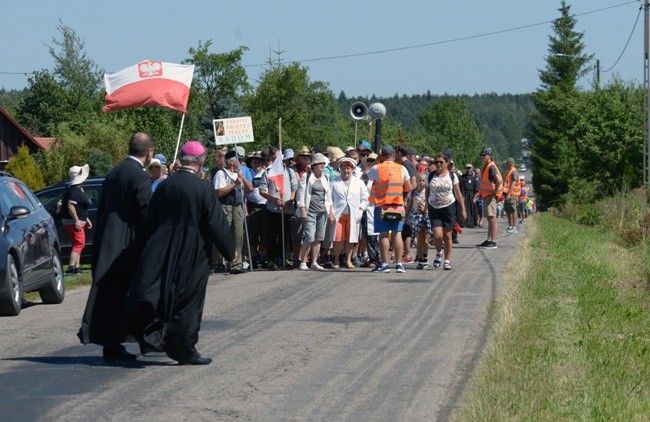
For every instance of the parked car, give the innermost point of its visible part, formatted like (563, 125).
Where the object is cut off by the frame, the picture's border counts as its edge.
(52, 199)
(29, 248)
(522, 168)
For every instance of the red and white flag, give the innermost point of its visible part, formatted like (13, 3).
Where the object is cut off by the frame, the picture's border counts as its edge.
(276, 173)
(149, 83)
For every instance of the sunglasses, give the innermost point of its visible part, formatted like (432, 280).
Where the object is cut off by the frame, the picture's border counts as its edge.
(439, 162)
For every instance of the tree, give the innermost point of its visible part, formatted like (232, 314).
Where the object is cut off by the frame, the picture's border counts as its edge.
(308, 109)
(450, 126)
(554, 152)
(219, 82)
(70, 93)
(23, 168)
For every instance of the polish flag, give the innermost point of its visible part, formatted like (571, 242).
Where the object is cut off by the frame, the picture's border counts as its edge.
(149, 83)
(276, 173)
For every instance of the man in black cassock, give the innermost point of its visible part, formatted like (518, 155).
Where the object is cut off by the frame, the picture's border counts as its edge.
(166, 299)
(468, 188)
(119, 238)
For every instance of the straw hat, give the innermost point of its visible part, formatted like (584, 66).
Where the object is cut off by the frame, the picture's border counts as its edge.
(78, 174)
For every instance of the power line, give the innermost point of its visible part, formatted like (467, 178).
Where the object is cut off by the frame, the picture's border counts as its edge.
(452, 40)
(626, 43)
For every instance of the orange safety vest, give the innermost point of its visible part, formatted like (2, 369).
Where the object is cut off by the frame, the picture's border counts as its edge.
(516, 187)
(485, 186)
(390, 187)
(523, 194)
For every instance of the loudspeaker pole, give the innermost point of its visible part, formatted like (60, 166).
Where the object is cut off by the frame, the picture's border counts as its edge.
(378, 136)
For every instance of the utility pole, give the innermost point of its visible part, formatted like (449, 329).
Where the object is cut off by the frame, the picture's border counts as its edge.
(598, 73)
(646, 97)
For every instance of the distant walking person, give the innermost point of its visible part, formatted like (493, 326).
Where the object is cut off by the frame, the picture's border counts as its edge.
(490, 190)
(119, 239)
(166, 299)
(74, 213)
(511, 190)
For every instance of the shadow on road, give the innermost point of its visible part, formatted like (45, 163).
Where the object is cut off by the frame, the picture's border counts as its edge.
(90, 361)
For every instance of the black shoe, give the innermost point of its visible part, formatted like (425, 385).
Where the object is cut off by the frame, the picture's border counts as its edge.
(488, 245)
(119, 354)
(195, 360)
(455, 241)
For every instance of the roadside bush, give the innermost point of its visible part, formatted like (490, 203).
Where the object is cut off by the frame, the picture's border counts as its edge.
(625, 213)
(23, 167)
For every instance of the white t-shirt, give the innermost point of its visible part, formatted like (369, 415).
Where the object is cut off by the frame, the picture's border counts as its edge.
(441, 191)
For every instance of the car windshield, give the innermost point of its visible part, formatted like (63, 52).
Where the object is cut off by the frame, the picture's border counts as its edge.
(50, 197)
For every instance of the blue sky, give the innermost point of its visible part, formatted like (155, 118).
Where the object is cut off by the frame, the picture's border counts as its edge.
(121, 33)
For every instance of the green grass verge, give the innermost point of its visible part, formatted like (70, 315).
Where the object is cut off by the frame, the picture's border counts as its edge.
(571, 332)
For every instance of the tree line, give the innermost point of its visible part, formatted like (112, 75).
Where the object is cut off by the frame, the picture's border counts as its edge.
(65, 102)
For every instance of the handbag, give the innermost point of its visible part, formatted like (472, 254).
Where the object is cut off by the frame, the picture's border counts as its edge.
(392, 212)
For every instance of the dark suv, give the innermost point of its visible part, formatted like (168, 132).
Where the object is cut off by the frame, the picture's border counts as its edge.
(29, 248)
(52, 199)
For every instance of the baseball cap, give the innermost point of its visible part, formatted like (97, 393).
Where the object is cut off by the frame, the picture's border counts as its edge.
(387, 150)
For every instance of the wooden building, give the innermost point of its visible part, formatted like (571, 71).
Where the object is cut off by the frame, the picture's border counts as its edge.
(13, 135)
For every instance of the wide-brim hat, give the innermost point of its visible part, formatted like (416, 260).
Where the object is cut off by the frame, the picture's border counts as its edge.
(319, 158)
(256, 154)
(78, 175)
(304, 151)
(335, 153)
(347, 160)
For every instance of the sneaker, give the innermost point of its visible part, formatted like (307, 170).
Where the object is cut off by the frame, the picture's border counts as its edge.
(271, 266)
(316, 267)
(510, 230)
(437, 260)
(422, 265)
(399, 268)
(383, 268)
(303, 266)
(488, 245)
(447, 265)
(356, 261)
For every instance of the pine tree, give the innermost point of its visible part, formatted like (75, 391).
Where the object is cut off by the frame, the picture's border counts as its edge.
(553, 150)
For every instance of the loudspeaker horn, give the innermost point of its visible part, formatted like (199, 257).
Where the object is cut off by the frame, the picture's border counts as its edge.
(359, 111)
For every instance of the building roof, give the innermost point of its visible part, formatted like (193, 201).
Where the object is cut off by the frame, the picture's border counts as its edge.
(41, 145)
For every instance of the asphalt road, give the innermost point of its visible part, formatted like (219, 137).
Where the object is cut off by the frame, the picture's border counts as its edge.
(287, 345)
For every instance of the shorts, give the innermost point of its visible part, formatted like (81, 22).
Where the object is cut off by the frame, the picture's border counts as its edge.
(406, 231)
(343, 228)
(490, 206)
(443, 217)
(78, 238)
(382, 226)
(510, 204)
(315, 225)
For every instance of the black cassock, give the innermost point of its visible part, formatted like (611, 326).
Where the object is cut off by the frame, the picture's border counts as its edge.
(468, 188)
(120, 236)
(167, 294)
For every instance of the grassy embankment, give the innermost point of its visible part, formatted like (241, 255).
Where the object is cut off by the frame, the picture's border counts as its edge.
(571, 331)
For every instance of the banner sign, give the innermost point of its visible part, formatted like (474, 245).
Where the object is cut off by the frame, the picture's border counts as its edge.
(238, 130)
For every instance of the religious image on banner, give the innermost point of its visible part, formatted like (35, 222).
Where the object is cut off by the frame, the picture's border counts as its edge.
(238, 130)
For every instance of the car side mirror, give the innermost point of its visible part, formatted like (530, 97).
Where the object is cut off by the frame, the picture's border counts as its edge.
(17, 212)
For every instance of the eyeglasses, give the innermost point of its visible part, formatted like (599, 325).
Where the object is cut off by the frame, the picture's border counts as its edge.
(439, 162)
(483, 155)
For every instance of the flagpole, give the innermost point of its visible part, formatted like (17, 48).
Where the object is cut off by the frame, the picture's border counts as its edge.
(178, 141)
(281, 195)
(248, 243)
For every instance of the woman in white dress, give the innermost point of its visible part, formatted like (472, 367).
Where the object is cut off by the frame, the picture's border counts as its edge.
(350, 199)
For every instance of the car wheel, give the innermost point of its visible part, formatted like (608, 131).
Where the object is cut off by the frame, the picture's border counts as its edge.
(54, 292)
(11, 295)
